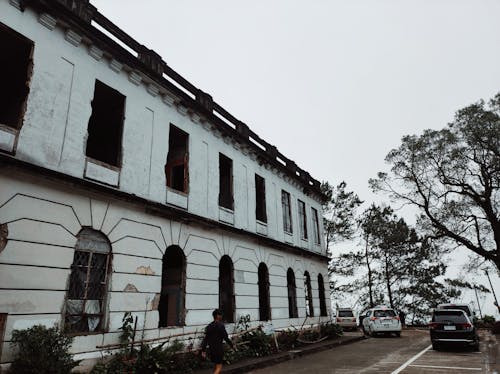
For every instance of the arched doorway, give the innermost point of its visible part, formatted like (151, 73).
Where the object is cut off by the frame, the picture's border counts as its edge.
(173, 280)
(321, 292)
(264, 299)
(309, 298)
(226, 288)
(292, 294)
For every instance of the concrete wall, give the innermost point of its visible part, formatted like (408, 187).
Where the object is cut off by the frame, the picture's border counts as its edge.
(43, 220)
(54, 133)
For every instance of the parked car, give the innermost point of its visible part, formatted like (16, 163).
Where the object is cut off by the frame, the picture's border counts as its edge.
(346, 319)
(381, 319)
(465, 307)
(452, 326)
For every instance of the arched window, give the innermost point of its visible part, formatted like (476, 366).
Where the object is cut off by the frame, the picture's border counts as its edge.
(173, 276)
(88, 284)
(309, 297)
(264, 300)
(292, 294)
(226, 288)
(321, 291)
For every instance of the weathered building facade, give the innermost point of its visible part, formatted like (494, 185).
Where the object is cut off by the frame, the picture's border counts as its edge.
(125, 188)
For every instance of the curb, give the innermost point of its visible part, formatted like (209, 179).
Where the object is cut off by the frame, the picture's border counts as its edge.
(244, 367)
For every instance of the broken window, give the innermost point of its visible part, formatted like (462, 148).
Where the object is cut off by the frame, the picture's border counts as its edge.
(260, 198)
(173, 278)
(292, 294)
(316, 231)
(88, 283)
(176, 169)
(302, 219)
(226, 289)
(226, 182)
(105, 125)
(309, 297)
(264, 300)
(287, 211)
(16, 65)
(321, 292)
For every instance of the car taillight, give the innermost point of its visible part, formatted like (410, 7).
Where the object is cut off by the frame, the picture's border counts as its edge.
(433, 325)
(354, 320)
(339, 320)
(465, 325)
(396, 318)
(373, 318)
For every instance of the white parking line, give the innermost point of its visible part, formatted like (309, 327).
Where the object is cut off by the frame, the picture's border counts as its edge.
(407, 363)
(444, 367)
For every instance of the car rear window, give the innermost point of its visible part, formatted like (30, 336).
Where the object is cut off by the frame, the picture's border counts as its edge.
(345, 313)
(449, 316)
(464, 308)
(384, 313)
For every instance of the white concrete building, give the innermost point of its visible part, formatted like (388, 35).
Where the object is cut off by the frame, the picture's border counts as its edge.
(125, 188)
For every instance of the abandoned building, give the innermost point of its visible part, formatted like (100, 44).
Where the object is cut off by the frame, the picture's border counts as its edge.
(125, 188)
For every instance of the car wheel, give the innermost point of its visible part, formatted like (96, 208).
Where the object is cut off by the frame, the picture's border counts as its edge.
(398, 334)
(435, 346)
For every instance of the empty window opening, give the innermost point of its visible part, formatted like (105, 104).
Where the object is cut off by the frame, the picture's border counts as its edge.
(287, 211)
(105, 125)
(16, 65)
(264, 297)
(260, 198)
(302, 219)
(176, 169)
(292, 294)
(88, 284)
(173, 281)
(309, 297)
(321, 292)
(316, 231)
(226, 182)
(226, 289)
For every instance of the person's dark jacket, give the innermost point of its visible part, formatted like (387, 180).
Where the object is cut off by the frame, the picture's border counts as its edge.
(215, 333)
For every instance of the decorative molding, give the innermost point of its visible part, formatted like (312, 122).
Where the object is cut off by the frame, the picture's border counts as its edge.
(95, 52)
(73, 38)
(16, 4)
(135, 78)
(182, 109)
(48, 21)
(153, 89)
(169, 99)
(115, 65)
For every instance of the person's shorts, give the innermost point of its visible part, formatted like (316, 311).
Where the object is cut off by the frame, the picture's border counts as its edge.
(216, 358)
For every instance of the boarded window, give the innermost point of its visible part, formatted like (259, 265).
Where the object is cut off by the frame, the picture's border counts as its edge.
(226, 289)
(105, 125)
(15, 72)
(260, 198)
(173, 280)
(302, 219)
(292, 294)
(315, 226)
(309, 297)
(226, 182)
(287, 211)
(321, 294)
(264, 299)
(88, 283)
(176, 169)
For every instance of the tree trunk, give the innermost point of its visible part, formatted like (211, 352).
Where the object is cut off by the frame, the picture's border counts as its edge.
(388, 282)
(370, 291)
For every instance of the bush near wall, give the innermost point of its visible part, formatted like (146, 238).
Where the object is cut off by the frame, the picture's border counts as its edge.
(42, 350)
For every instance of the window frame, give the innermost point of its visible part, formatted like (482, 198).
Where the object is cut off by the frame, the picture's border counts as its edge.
(230, 199)
(286, 208)
(316, 228)
(301, 206)
(262, 217)
(170, 165)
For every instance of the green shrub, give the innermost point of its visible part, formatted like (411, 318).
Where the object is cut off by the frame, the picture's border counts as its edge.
(42, 350)
(332, 330)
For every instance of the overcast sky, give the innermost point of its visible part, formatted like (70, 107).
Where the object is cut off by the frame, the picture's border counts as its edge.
(333, 84)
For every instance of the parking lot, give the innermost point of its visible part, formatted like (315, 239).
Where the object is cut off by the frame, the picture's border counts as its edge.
(410, 354)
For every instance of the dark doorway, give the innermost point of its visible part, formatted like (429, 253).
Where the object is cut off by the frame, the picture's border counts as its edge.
(309, 298)
(321, 291)
(226, 288)
(171, 306)
(264, 299)
(292, 294)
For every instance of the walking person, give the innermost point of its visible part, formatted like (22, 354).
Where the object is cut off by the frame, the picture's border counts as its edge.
(215, 333)
(402, 317)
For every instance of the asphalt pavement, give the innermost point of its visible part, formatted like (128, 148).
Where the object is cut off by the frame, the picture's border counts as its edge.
(410, 354)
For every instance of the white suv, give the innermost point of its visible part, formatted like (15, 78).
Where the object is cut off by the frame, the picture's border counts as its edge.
(381, 319)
